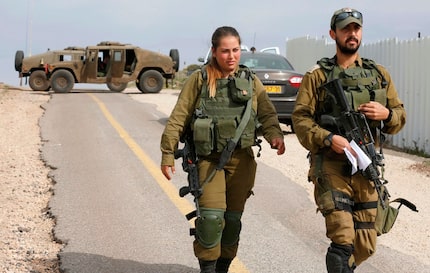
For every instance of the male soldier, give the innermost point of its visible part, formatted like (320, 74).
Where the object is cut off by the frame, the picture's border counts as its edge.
(350, 217)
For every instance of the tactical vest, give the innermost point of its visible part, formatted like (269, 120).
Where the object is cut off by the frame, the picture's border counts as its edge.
(217, 118)
(361, 85)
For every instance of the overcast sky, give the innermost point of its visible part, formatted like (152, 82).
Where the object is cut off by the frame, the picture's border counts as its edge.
(187, 25)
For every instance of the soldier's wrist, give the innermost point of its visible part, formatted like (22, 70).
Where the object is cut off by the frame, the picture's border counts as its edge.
(328, 140)
(390, 116)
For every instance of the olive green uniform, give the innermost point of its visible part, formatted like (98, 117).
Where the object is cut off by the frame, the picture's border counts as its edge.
(330, 172)
(229, 189)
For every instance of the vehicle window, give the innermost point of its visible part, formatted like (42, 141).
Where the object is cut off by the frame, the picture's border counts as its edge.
(265, 61)
(65, 58)
(117, 56)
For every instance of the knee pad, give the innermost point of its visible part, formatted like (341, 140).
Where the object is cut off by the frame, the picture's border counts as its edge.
(209, 227)
(232, 228)
(339, 259)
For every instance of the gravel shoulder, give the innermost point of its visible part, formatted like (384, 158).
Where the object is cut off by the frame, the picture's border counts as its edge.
(26, 239)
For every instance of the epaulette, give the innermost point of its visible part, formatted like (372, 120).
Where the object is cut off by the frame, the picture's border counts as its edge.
(368, 63)
(313, 68)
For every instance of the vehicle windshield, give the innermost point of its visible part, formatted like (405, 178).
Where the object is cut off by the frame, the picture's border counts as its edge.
(265, 61)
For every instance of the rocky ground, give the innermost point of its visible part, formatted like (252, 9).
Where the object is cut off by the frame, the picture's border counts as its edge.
(26, 239)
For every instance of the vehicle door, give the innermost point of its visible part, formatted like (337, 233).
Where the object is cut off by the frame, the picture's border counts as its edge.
(90, 67)
(117, 64)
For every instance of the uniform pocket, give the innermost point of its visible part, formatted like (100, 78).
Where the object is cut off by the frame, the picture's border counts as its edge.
(240, 89)
(379, 95)
(325, 202)
(203, 136)
(358, 98)
(225, 130)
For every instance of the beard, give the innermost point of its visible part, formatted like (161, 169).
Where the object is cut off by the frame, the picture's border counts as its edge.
(347, 50)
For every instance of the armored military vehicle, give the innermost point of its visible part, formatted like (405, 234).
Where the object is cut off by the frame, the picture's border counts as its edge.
(112, 63)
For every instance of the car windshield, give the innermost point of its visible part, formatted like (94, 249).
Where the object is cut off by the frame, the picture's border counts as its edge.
(265, 61)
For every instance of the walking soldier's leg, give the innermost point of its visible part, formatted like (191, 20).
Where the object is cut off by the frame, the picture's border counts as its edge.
(364, 215)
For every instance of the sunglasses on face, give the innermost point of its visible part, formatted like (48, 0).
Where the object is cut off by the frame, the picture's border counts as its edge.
(346, 14)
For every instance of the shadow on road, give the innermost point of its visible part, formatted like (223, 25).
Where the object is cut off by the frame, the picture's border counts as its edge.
(91, 263)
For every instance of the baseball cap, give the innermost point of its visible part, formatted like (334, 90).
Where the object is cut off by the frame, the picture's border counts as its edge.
(345, 16)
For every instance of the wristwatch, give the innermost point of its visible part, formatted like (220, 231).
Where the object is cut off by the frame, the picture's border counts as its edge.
(328, 140)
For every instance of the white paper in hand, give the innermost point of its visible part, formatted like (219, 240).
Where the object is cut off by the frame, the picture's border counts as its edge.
(362, 159)
(351, 159)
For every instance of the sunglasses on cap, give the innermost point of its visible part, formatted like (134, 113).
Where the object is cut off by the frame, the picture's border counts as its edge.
(343, 15)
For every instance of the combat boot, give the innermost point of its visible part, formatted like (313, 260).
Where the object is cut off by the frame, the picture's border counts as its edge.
(222, 265)
(207, 266)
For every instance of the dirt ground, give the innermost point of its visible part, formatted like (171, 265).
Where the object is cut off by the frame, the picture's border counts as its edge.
(26, 239)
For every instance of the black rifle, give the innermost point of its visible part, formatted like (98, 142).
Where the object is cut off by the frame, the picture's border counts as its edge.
(189, 165)
(353, 125)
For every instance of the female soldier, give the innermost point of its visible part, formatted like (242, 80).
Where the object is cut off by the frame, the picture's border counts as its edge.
(221, 92)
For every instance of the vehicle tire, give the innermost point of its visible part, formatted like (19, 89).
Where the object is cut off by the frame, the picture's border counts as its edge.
(19, 56)
(62, 81)
(151, 81)
(38, 81)
(174, 54)
(116, 87)
(138, 86)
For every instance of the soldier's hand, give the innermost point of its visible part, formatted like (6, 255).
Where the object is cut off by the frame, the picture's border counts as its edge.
(165, 170)
(278, 143)
(338, 143)
(374, 110)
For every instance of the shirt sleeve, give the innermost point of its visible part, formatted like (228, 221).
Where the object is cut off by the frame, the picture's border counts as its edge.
(308, 132)
(398, 118)
(180, 118)
(266, 113)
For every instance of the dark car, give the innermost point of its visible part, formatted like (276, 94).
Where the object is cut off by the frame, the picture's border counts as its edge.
(279, 79)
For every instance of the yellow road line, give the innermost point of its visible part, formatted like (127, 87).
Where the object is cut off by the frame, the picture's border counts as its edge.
(171, 191)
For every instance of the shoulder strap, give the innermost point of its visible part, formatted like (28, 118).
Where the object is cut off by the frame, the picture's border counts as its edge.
(327, 65)
(370, 64)
(204, 89)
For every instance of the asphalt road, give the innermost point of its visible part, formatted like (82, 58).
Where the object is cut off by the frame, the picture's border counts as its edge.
(116, 212)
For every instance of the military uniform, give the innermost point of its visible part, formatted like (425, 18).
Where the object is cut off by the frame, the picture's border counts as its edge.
(350, 220)
(224, 196)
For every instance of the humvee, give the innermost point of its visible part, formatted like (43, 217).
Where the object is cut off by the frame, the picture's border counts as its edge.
(112, 63)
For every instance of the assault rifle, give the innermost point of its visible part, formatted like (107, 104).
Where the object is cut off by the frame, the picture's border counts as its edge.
(189, 165)
(354, 126)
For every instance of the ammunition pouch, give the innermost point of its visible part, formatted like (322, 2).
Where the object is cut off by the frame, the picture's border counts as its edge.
(225, 129)
(203, 135)
(240, 90)
(334, 200)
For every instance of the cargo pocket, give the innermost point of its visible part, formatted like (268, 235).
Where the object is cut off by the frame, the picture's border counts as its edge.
(325, 202)
(323, 194)
(240, 89)
(203, 136)
(225, 130)
(358, 98)
(379, 95)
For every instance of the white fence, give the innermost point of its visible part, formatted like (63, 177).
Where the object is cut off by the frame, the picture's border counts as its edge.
(409, 65)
